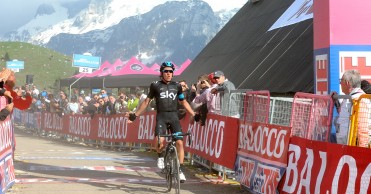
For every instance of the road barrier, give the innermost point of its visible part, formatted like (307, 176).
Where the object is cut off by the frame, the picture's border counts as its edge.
(252, 145)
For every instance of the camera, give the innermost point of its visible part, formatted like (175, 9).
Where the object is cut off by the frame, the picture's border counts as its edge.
(202, 82)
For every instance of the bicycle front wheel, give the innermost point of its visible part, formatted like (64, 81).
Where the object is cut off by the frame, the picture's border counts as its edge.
(176, 172)
(168, 171)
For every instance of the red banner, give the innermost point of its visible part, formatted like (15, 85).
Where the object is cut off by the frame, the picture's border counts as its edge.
(319, 167)
(262, 156)
(7, 175)
(216, 141)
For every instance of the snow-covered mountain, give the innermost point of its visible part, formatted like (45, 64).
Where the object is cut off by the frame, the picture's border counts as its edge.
(99, 21)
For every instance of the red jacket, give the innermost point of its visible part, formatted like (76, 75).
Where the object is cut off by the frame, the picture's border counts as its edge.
(21, 104)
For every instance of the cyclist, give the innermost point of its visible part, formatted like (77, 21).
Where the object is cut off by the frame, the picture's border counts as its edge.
(167, 94)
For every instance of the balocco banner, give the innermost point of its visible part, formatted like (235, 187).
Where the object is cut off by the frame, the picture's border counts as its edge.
(114, 128)
(216, 141)
(320, 167)
(262, 156)
(7, 175)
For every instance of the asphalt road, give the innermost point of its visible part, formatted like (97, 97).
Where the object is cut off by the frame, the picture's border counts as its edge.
(45, 165)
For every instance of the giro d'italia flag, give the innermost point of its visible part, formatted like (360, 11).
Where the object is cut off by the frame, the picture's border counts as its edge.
(261, 156)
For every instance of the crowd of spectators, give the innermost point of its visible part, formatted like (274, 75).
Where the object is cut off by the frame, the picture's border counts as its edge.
(81, 103)
(204, 96)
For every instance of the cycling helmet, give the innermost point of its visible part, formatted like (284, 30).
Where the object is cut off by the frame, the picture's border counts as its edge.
(167, 64)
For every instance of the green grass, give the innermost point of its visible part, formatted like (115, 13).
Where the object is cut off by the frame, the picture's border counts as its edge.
(46, 65)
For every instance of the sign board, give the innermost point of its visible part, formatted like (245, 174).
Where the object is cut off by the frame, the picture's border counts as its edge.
(86, 61)
(85, 70)
(15, 64)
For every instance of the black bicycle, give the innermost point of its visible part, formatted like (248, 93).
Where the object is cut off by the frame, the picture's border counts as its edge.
(171, 161)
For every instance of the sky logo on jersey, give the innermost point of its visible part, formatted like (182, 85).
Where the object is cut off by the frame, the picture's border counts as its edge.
(168, 95)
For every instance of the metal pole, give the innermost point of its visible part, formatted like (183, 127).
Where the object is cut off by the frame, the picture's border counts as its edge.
(69, 98)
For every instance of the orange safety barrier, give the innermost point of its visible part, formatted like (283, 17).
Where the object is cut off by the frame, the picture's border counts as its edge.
(360, 130)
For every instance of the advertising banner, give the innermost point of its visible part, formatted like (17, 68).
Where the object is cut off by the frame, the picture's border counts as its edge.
(7, 175)
(216, 141)
(320, 167)
(262, 156)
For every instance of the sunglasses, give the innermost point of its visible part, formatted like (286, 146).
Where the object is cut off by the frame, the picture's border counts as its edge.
(167, 71)
(216, 77)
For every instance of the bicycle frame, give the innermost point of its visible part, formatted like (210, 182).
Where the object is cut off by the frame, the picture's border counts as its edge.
(171, 162)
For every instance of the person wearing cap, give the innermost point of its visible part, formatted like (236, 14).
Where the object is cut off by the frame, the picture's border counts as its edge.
(222, 90)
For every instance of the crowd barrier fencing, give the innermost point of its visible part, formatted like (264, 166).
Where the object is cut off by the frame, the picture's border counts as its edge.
(360, 130)
(256, 106)
(311, 116)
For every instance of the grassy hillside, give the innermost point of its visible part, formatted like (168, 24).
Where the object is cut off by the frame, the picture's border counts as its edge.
(46, 65)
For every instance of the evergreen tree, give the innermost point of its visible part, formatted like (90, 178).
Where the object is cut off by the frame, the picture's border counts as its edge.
(6, 57)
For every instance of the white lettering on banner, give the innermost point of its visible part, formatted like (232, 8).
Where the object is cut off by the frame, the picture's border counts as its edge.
(365, 180)
(53, 121)
(346, 164)
(254, 142)
(351, 162)
(112, 128)
(5, 135)
(145, 130)
(211, 145)
(80, 125)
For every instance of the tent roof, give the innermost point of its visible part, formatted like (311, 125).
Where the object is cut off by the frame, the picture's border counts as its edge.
(252, 57)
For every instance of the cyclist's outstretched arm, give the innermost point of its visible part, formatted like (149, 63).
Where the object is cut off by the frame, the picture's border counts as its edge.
(188, 107)
(142, 106)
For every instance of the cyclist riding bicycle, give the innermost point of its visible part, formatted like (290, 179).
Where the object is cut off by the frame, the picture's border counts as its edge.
(167, 94)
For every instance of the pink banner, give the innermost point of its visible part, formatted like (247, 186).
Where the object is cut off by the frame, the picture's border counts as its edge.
(319, 167)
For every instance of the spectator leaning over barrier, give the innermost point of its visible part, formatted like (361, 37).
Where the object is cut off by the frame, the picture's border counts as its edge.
(5, 111)
(132, 102)
(62, 104)
(122, 104)
(222, 90)
(82, 104)
(73, 106)
(35, 92)
(204, 96)
(111, 110)
(21, 102)
(36, 105)
(350, 85)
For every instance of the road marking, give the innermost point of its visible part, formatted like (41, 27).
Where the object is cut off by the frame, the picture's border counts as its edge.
(96, 168)
(84, 158)
(118, 180)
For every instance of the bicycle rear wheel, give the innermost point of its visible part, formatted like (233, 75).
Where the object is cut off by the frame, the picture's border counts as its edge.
(176, 172)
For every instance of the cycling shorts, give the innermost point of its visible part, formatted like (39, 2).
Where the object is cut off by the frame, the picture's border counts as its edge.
(165, 119)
